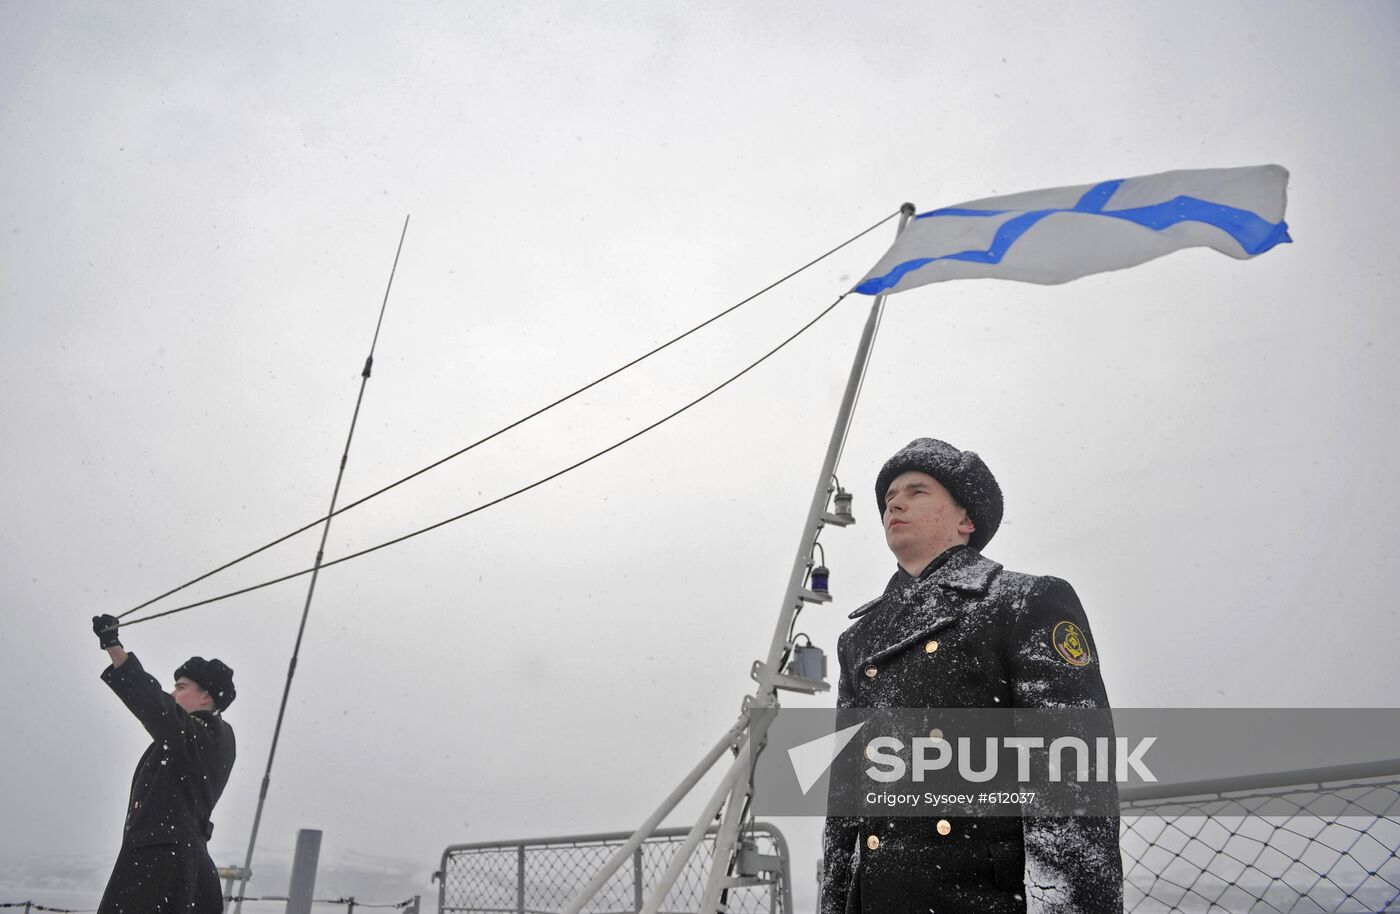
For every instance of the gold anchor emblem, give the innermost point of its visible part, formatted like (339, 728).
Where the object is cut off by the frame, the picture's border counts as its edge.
(1070, 644)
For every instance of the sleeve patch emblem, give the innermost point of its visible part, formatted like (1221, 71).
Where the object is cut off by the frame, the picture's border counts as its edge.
(1071, 644)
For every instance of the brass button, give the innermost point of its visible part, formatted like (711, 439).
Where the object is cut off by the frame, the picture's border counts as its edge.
(873, 842)
(935, 733)
(871, 672)
(944, 827)
(870, 751)
(930, 647)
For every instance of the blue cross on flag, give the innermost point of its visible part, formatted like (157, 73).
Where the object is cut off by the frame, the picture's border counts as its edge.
(1056, 235)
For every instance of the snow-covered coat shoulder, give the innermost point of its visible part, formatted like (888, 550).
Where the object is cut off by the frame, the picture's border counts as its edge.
(969, 634)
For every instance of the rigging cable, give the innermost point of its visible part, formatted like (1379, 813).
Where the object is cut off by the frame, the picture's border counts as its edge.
(512, 425)
(539, 482)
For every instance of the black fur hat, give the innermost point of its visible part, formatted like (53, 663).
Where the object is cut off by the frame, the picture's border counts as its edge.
(962, 473)
(213, 676)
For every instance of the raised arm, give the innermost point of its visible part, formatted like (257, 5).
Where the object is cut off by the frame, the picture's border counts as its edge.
(158, 712)
(105, 627)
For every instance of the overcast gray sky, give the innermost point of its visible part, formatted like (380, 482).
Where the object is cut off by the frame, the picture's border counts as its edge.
(200, 206)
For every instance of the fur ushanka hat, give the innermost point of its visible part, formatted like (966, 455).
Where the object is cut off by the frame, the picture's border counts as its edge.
(962, 473)
(213, 676)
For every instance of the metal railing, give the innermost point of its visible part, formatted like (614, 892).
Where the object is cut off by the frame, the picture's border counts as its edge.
(350, 903)
(1315, 840)
(541, 876)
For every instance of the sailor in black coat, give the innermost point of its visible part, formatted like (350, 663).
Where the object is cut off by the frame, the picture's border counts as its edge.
(955, 630)
(164, 865)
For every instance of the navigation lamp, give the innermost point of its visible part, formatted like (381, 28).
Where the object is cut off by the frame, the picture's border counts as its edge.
(840, 514)
(843, 505)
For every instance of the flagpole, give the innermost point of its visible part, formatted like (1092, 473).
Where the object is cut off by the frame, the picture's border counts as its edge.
(769, 674)
(746, 738)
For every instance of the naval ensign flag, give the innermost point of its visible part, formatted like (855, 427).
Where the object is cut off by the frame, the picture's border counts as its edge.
(1053, 236)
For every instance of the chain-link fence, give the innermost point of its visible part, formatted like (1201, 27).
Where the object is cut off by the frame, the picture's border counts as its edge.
(1320, 840)
(543, 875)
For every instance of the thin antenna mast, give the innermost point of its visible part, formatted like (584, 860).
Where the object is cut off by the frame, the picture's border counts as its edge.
(311, 589)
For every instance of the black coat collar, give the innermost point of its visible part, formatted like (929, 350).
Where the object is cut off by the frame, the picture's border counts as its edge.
(904, 615)
(964, 569)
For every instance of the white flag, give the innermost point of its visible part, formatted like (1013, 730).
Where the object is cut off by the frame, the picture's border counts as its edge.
(1053, 236)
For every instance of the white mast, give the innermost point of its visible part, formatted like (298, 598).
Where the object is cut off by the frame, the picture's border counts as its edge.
(736, 789)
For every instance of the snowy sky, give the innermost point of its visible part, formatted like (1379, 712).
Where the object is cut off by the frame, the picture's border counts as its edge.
(200, 205)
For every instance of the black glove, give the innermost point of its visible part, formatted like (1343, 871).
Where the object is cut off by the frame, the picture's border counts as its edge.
(105, 627)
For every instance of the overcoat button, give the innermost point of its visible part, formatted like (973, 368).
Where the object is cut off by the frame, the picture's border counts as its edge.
(930, 647)
(935, 733)
(873, 842)
(871, 672)
(870, 752)
(944, 827)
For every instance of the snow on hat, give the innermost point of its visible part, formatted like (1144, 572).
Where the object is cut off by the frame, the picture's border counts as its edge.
(213, 676)
(962, 473)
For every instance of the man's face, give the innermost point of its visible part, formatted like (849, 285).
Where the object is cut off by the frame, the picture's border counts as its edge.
(190, 696)
(921, 518)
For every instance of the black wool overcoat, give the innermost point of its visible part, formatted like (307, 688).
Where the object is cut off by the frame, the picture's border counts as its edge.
(164, 865)
(968, 634)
